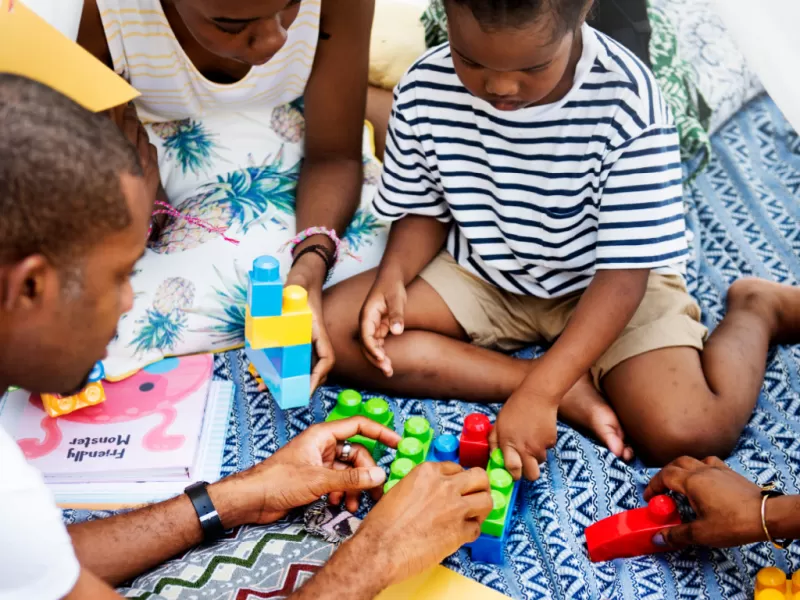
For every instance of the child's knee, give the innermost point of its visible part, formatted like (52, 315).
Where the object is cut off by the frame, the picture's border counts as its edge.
(699, 440)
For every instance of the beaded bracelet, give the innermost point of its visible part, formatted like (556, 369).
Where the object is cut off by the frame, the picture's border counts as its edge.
(162, 208)
(339, 246)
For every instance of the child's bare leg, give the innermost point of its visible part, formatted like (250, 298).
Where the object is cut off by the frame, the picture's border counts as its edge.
(432, 359)
(679, 401)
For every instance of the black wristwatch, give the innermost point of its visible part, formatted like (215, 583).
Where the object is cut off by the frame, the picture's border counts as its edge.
(210, 522)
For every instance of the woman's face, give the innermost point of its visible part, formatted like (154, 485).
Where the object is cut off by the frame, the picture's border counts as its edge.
(247, 31)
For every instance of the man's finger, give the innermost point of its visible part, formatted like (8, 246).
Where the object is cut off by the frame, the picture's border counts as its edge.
(473, 481)
(671, 477)
(717, 463)
(676, 537)
(478, 506)
(347, 428)
(530, 467)
(350, 480)
(493, 443)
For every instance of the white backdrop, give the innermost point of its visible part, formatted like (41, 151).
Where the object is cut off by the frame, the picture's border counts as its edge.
(64, 15)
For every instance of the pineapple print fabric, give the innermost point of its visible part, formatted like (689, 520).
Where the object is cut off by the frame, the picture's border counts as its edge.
(236, 171)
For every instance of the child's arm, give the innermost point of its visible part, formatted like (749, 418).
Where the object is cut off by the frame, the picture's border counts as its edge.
(414, 241)
(605, 308)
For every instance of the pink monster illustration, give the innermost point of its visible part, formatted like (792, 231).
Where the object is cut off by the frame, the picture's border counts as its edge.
(153, 390)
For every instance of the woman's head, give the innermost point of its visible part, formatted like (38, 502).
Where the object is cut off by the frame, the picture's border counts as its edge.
(248, 31)
(514, 53)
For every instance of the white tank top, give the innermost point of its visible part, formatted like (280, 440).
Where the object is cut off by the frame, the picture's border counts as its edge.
(146, 53)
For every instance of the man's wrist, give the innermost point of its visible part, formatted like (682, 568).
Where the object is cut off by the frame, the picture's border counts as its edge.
(236, 505)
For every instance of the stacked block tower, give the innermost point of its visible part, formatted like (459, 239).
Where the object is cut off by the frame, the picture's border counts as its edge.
(471, 449)
(277, 334)
(56, 405)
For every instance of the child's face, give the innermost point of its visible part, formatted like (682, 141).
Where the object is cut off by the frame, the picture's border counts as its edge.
(511, 68)
(247, 31)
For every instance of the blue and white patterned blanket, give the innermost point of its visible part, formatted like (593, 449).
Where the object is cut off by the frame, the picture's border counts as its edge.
(744, 213)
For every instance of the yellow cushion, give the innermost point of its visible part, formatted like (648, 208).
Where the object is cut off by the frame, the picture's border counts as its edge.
(398, 39)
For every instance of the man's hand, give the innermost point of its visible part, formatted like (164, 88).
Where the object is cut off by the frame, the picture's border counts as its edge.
(524, 430)
(431, 513)
(382, 314)
(728, 506)
(304, 470)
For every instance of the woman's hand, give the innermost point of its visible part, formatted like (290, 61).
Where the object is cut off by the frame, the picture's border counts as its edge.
(309, 273)
(728, 506)
(302, 471)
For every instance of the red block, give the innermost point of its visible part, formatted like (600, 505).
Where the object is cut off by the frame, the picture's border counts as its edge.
(474, 442)
(630, 533)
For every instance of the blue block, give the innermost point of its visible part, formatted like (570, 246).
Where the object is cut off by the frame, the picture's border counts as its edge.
(288, 392)
(291, 361)
(264, 288)
(488, 548)
(444, 449)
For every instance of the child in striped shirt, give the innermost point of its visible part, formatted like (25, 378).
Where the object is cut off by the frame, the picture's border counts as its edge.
(533, 176)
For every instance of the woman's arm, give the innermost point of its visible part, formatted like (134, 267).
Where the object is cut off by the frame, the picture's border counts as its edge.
(330, 181)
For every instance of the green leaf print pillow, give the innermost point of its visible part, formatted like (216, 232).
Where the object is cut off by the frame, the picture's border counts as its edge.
(237, 172)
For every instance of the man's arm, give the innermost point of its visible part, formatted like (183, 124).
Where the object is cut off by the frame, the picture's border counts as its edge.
(605, 308)
(124, 546)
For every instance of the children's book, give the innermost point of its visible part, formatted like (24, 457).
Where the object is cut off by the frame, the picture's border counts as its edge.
(156, 432)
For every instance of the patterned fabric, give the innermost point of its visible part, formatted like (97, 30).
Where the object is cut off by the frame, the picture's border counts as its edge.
(239, 172)
(744, 212)
(674, 76)
(718, 68)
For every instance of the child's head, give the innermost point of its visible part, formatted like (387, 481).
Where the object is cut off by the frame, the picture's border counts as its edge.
(515, 53)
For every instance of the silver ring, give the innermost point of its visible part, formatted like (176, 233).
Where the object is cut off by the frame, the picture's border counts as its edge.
(346, 449)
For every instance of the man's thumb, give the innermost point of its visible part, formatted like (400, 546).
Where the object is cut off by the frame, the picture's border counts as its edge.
(355, 479)
(675, 537)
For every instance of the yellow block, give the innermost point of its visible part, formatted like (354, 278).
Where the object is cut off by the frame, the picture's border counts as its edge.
(31, 47)
(440, 583)
(56, 405)
(772, 584)
(291, 328)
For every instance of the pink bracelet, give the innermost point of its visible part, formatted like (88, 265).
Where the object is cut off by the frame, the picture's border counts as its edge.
(162, 208)
(339, 245)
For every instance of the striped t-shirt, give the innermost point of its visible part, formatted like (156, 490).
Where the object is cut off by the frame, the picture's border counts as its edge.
(541, 197)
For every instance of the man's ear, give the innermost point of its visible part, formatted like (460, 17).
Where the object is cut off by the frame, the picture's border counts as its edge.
(27, 283)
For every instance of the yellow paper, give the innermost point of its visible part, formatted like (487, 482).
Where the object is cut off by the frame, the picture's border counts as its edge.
(440, 583)
(31, 47)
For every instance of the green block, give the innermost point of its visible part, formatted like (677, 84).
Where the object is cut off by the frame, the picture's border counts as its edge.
(349, 403)
(502, 488)
(411, 451)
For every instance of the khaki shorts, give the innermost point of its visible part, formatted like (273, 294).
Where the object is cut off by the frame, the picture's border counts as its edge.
(493, 318)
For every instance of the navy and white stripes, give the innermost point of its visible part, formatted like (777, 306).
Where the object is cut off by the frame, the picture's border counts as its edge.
(541, 197)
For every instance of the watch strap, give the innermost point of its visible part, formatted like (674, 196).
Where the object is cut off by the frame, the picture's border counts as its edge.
(210, 522)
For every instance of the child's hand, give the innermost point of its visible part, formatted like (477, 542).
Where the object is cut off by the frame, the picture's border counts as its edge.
(382, 313)
(525, 429)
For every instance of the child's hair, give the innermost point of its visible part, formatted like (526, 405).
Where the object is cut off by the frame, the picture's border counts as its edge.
(60, 168)
(499, 14)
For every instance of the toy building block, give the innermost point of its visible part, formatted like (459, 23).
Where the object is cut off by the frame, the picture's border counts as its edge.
(474, 442)
(772, 584)
(290, 361)
(490, 544)
(444, 449)
(288, 392)
(56, 405)
(291, 328)
(349, 403)
(412, 450)
(264, 288)
(630, 533)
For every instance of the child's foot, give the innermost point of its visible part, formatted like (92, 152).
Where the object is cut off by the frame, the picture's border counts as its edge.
(585, 409)
(776, 304)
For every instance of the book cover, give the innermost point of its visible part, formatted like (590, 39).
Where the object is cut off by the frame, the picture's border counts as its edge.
(148, 427)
